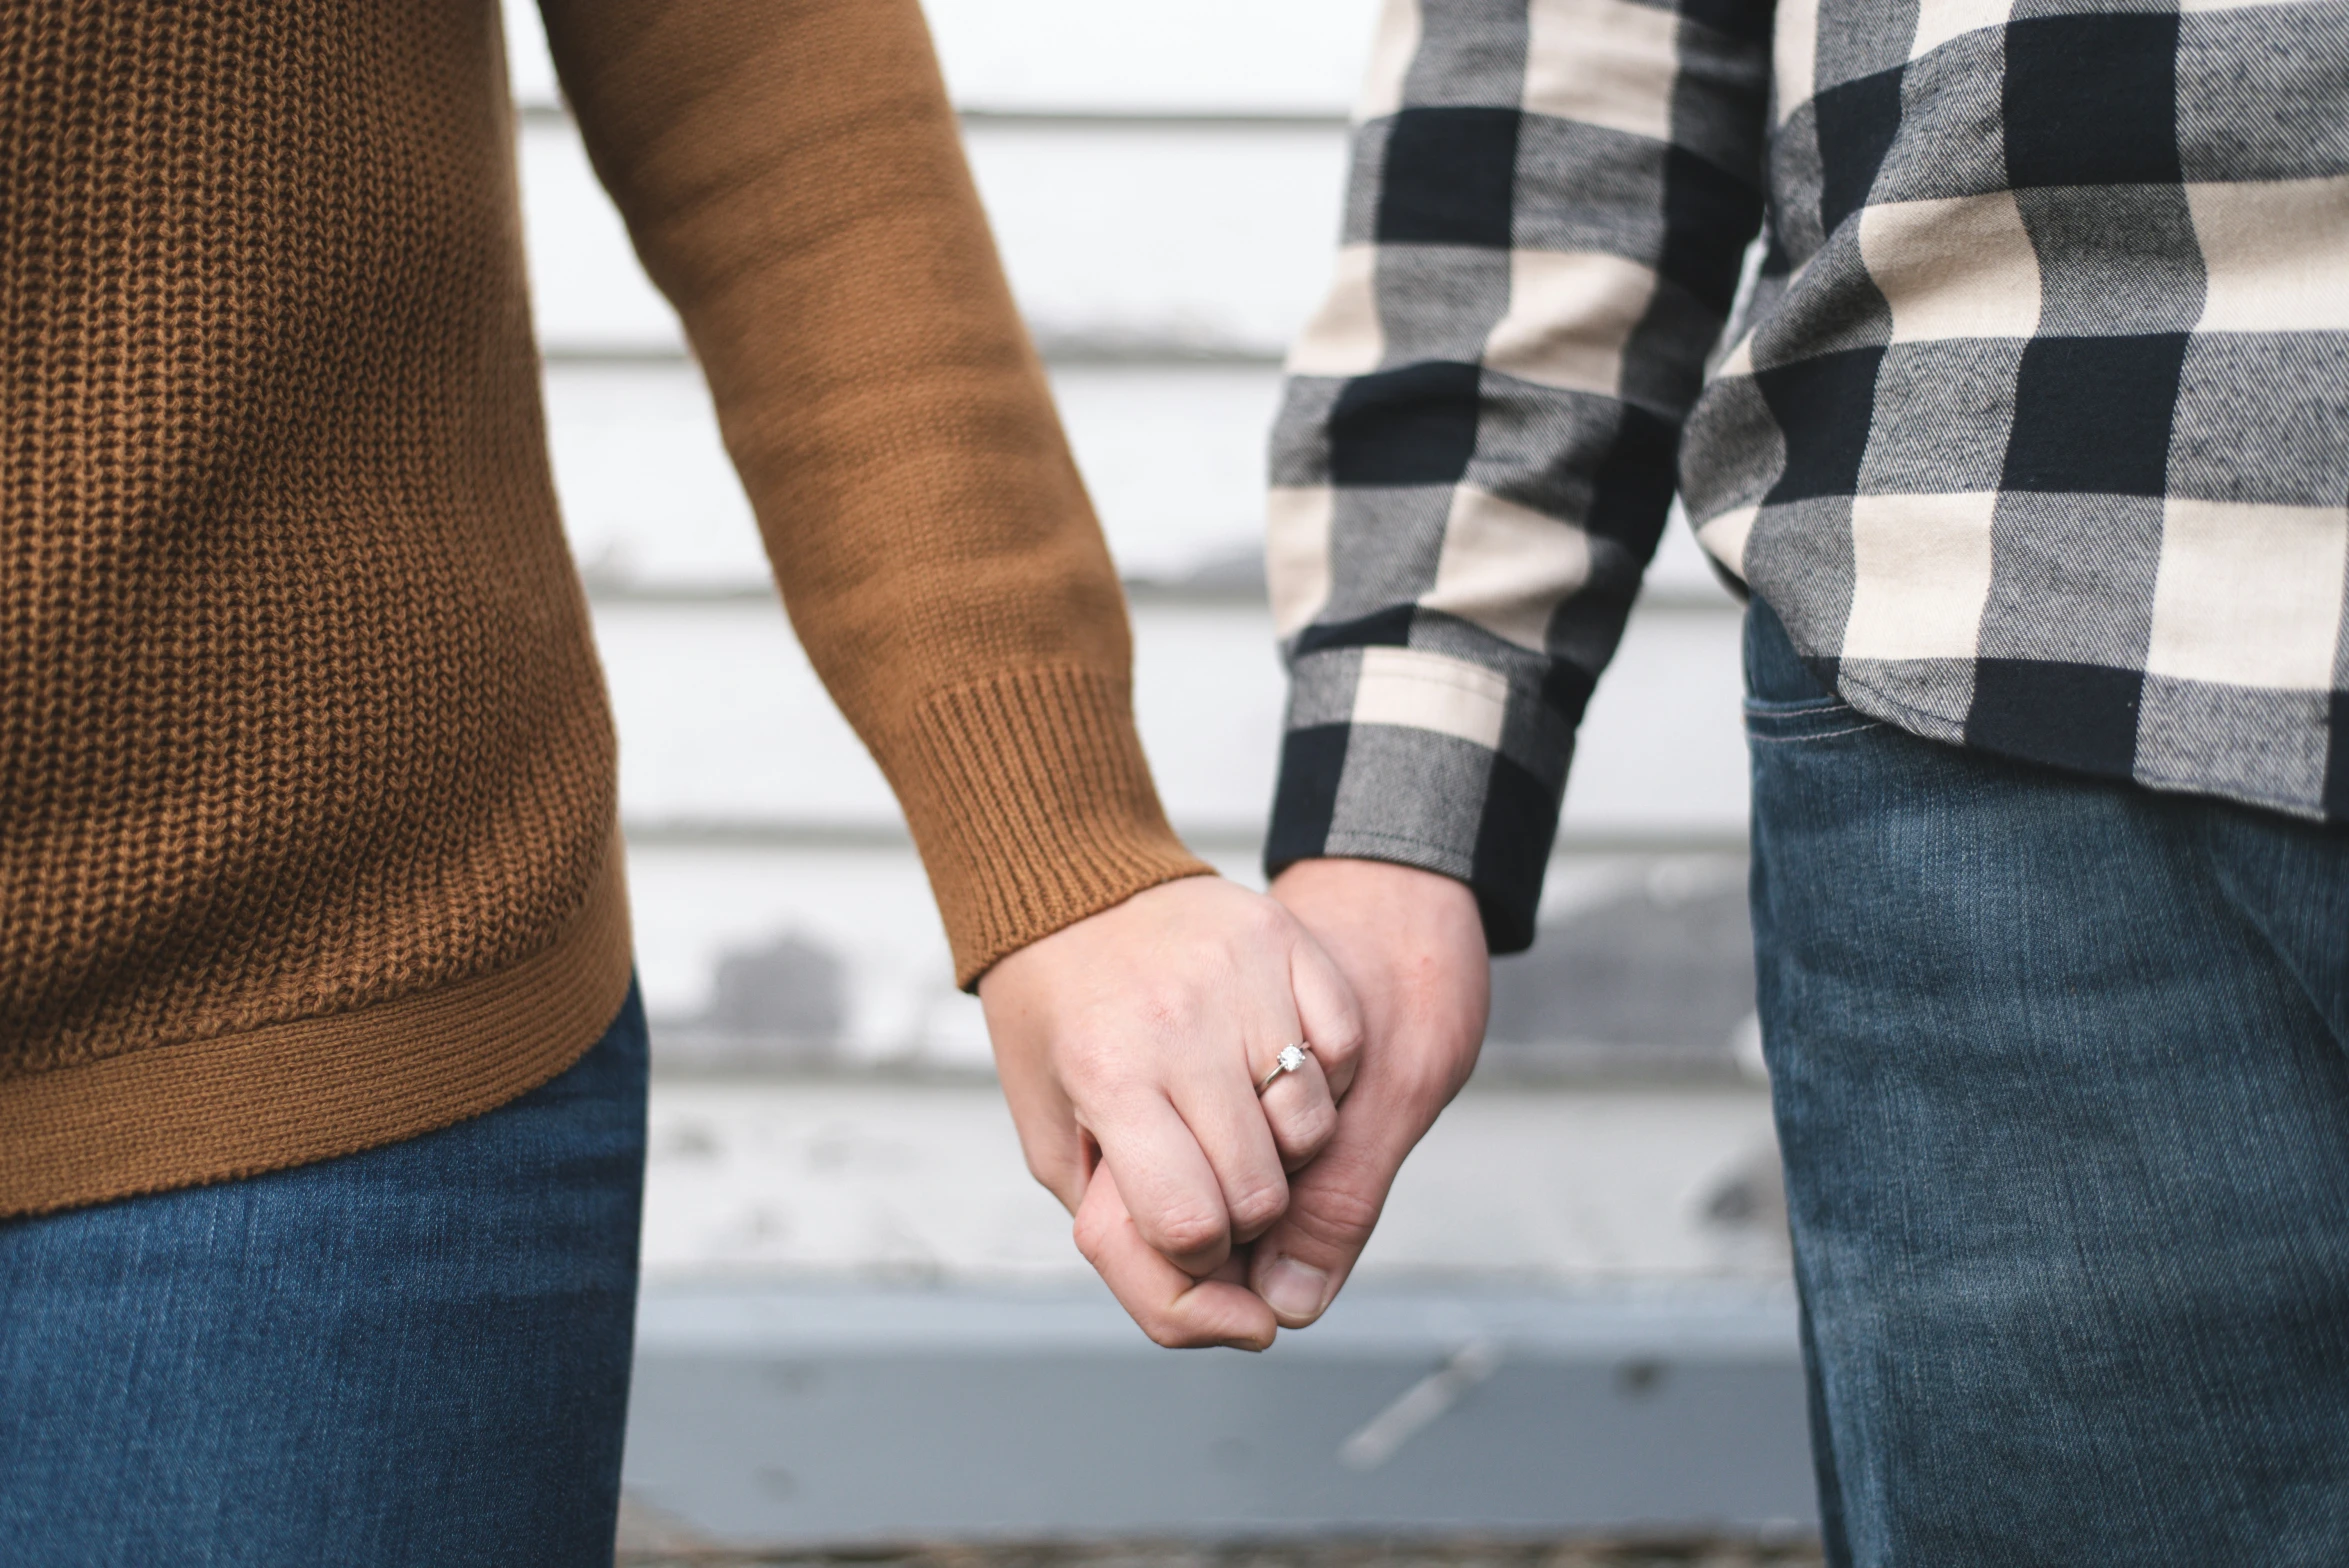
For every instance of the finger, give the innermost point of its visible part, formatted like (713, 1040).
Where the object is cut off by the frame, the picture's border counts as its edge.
(1219, 1105)
(1050, 1140)
(1328, 1014)
(1302, 1114)
(1299, 1265)
(1040, 1109)
(1173, 1308)
(1169, 1187)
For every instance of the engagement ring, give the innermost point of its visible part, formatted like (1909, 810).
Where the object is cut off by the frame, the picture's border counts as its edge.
(1291, 1058)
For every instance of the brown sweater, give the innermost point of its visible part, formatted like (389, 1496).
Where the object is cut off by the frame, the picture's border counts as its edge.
(307, 827)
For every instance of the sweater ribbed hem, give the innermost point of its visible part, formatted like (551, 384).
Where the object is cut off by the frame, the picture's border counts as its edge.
(293, 1093)
(1033, 808)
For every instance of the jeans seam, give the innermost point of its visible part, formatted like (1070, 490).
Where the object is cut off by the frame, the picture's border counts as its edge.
(1797, 740)
(1805, 705)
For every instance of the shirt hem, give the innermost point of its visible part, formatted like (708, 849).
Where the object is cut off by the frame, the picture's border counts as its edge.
(294, 1093)
(1876, 703)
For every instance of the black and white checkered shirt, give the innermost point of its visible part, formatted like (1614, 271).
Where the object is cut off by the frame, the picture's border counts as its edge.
(2034, 428)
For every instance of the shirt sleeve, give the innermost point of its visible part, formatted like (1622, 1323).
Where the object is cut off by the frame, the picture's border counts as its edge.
(1549, 206)
(793, 179)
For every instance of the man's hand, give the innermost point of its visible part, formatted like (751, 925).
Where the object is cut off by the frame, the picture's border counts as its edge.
(1412, 944)
(1135, 1040)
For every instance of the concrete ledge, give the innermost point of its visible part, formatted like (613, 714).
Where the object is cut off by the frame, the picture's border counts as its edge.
(789, 1415)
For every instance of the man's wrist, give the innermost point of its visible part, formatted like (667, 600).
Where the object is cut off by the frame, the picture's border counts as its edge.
(1392, 878)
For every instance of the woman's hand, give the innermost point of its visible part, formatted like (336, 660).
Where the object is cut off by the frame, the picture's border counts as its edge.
(1134, 1041)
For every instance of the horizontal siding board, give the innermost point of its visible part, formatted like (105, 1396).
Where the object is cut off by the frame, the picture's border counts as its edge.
(722, 720)
(587, 292)
(649, 496)
(843, 1180)
(1662, 748)
(1154, 237)
(1173, 455)
(1200, 237)
(1202, 56)
(865, 914)
(1234, 56)
(754, 957)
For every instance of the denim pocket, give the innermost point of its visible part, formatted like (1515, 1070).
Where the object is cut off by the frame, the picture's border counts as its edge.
(1785, 701)
(1820, 718)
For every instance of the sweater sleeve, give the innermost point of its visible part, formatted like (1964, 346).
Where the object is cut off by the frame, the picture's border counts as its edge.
(1549, 204)
(793, 179)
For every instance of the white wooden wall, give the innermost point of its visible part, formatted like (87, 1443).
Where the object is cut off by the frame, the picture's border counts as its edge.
(1164, 182)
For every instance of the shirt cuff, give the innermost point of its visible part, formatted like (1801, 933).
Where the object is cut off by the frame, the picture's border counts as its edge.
(1424, 760)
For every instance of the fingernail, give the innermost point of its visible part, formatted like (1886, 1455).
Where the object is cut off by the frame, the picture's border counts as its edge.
(1294, 1289)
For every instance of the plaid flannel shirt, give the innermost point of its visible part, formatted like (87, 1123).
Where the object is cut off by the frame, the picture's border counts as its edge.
(2034, 428)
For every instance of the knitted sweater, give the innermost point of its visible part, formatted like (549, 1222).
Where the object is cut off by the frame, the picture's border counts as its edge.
(307, 819)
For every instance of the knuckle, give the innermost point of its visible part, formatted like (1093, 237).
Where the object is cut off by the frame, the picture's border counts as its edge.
(1256, 1208)
(1163, 1011)
(1162, 1008)
(1047, 1172)
(1092, 1237)
(1339, 1042)
(1306, 1130)
(1265, 921)
(1336, 1218)
(1090, 1062)
(1189, 1231)
(1430, 1085)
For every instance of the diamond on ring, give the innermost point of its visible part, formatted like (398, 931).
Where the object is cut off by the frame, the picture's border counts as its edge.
(1292, 1058)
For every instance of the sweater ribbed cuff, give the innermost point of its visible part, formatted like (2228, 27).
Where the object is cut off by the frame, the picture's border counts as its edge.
(1033, 808)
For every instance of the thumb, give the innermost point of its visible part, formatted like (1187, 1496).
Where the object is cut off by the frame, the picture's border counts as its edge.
(1299, 1265)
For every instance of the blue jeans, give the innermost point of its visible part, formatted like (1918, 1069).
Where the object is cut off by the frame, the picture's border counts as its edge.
(418, 1354)
(2061, 1073)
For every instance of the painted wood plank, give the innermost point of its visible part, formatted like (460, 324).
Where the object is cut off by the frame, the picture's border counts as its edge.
(761, 957)
(1173, 456)
(1231, 56)
(847, 1179)
(723, 721)
(768, 1416)
(1172, 453)
(1201, 238)
(837, 956)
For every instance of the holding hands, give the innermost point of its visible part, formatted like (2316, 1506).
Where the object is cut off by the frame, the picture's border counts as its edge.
(1133, 1045)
